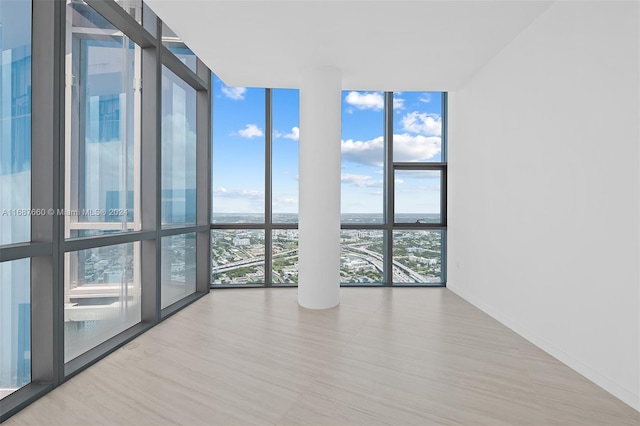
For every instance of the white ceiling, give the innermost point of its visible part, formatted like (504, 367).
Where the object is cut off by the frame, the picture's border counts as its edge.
(378, 45)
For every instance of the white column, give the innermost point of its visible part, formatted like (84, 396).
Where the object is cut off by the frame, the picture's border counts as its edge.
(319, 189)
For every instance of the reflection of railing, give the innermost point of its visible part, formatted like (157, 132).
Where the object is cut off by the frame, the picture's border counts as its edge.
(78, 313)
(99, 291)
(101, 226)
(74, 311)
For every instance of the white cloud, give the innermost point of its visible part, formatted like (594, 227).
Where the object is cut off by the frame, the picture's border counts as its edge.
(415, 147)
(235, 93)
(426, 98)
(251, 131)
(293, 135)
(248, 194)
(406, 148)
(364, 100)
(422, 123)
(284, 200)
(398, 103)
(362, 181)
(369, 152)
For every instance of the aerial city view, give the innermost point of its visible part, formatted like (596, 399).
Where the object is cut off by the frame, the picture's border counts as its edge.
(238, 256)
(239, 187)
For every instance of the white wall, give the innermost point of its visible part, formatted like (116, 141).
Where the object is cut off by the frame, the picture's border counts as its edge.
(544, 225)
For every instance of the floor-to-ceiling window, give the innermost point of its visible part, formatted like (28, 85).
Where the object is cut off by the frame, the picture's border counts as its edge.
(15, 199)
(255, 186)
(418, 176)
(285, 131)
(239, 210)
(104, 185)
(179, 202)
(362, 188)
(393, 187)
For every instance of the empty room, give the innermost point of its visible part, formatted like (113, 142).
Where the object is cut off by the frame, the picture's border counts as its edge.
(320, 212)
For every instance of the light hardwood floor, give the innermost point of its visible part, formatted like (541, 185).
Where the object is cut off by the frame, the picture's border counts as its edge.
(404, 356)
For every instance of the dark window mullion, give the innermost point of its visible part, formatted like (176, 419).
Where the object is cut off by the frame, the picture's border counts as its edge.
(268, 205)
(389, 188)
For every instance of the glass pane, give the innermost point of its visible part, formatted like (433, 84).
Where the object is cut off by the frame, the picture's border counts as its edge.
(361, 254)
(417, 194)
(285, 256)
(178, 268)
(149, 20)
(238, 154)
(102, 129)
(417, 126)
(237, 257)
(285, 118)
(362, 157)
(172, 42)
(15, 325)
(178, 150)
(417, 257)
(132, 7)
(15, 121)
(101, 295)
(81, 15)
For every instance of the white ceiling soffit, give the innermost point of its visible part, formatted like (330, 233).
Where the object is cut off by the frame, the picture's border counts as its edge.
(378, 45)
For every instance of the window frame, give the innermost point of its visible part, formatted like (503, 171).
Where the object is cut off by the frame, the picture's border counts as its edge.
(48, 245)
(388, 226)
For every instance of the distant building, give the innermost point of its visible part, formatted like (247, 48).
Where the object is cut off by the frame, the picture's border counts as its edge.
(241, 242)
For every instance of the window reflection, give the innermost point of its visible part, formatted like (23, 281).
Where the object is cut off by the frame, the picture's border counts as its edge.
(15, 121)
(178, 268)
(102, 127)
(15, 325)
(102, 295)
(176, 46)
(178, 150)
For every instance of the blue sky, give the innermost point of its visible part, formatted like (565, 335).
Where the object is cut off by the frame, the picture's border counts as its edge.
(238, 149)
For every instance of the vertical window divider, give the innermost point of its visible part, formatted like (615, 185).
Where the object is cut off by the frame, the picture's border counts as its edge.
(149, 183)
(158, 176)
(388, 190)
(203, 180)
(268, 204)
(445, 180)
(47, 193)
